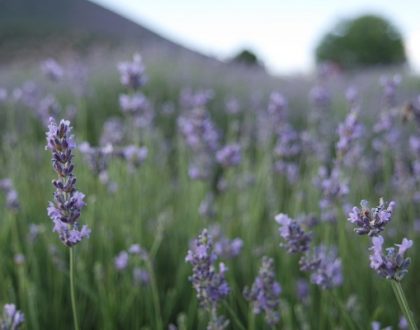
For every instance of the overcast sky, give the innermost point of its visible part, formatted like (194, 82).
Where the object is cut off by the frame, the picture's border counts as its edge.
(282, 33)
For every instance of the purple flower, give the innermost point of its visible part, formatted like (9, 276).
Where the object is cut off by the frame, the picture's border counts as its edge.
(277, 108)
(66, 206)
(12, 318)
(223, 246)
(264, 293)
(52, 69)
(12, 197)
(135, 104)
(208, 280)
(195, 100)
(320, 96)
(3, 94)
(135, 156)
(132, 74)
(121, 260)
(141, 276)
(296, 240)
(392, 264)
(229, 155)
(325, 267)
(371, 221)
(348, 131)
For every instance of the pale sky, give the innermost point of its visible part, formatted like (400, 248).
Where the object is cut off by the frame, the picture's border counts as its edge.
(282, 33)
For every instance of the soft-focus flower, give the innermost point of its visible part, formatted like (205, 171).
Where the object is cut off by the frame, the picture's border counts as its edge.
(12, 197)
(229, 155)
(348, 131)
(132, 74)
(295, 238)
(392, 263)
(12, 318)
(190, 99)
(121, 260)
(52, 69)
(264, 293)
(65, 209)
(224, 247)
(371, 221)
(324, 266)
(208, 280)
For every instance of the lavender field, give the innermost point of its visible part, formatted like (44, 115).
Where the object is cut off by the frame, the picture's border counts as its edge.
(144, 191)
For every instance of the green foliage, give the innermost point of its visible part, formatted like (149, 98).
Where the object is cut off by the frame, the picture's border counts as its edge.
(362, 42)
(157, 207)
(248, 58)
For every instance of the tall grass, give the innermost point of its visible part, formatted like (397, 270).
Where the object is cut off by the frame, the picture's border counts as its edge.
(157, 206)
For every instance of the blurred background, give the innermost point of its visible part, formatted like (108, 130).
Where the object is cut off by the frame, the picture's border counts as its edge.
(284, 38)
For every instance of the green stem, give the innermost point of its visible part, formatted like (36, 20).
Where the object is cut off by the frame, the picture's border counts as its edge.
(155, 295)
(72, 293)
(234, 316)
(402, 301)
(344, 311)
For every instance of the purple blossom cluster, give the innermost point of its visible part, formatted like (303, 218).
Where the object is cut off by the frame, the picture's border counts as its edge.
(132, 74)
(277, 108)
(202, 137)
(371, 221)
(296, 240)
(348, 131)
(333, 188)
(287, 151)
(391, 264)
(265, 292)
(13, 319)
(208, 280)
(134, 257)
(230, 155)
(324, 266)
(52, 70)
(12, 197)
(135, 104)
(190, 99)
(66, 206)
(133, 155)
(390, 85)
(224, 247)
(320, 96)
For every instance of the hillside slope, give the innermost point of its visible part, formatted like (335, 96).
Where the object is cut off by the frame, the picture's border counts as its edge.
(58, 25)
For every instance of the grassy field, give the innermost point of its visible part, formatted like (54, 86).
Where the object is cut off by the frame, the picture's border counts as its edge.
(160, 207)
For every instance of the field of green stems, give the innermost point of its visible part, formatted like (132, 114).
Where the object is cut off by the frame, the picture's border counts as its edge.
(266, 170)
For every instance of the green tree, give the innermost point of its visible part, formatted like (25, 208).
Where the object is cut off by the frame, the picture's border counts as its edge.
(361, 42)
(248, 58)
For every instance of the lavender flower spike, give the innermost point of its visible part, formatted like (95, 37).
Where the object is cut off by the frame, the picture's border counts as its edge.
(296, 240)
(371, 221)
(208, 281)
(325, 267)
(65, 208)
(265, 292)
(12, 318)
(391, 264)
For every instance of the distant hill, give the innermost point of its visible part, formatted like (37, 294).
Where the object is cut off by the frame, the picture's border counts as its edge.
(49, 26)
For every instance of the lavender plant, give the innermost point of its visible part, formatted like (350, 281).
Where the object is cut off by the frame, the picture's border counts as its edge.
(295, 238)
(65, 209)
(392, 265)
(208, 281)
(12, 319)
(264, 293)
(371, 221)
(324, 266)
(12, 197)
(66, 206)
